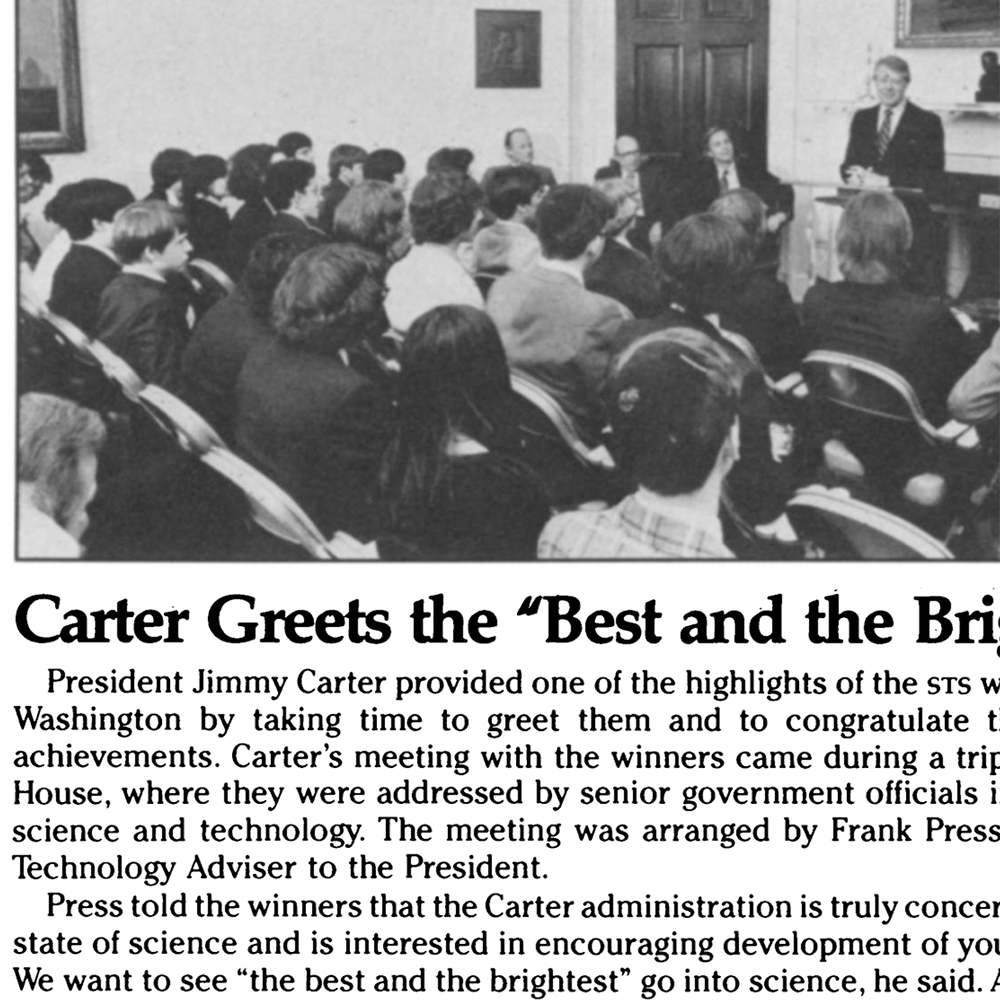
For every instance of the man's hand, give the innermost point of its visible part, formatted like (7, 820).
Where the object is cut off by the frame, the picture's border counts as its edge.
(856, 175)
(776, 221)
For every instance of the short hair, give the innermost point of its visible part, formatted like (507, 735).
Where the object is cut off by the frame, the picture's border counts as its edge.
(569, 218)
(747, 209)
(248, 170)
(371, 215)
(384, 165)
(330, 297)
(142, 226)
(508, 139)
(168, 168)
(456, 158)
(443, 207)
(674, 395)
(291, 142)
(79, 204)
(511, 187)
(894, 64)
(874, 238)
(285, 179)
(268, 263)
(200, 174)
(706, 136)
(619, 194)
(38, 167)
(701, 258)
(53, 435)
(344, 155)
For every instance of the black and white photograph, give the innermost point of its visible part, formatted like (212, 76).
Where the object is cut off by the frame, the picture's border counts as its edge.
(419, 280)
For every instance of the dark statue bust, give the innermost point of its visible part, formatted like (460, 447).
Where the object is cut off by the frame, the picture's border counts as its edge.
(989, 82)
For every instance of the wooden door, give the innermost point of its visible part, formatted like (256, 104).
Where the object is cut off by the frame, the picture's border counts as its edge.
(684, 65)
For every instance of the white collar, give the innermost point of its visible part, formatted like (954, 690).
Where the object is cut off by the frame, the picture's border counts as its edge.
(563, 267)
(897, 110)
(143, 273)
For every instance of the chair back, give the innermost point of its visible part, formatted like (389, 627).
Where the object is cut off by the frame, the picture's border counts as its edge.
(209, 283)
(189, 429)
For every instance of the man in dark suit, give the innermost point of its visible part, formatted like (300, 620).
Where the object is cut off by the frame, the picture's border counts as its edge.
(520, 151)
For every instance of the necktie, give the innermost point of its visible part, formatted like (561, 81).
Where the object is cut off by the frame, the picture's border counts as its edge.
(885, 133)
(724, 182)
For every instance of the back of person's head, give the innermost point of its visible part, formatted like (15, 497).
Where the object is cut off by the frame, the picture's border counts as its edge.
(268, 263)
(145, 225)
(86, 202)
(330, 297)
(443, 207)
(673, 400)
(168, 168)
(345, 155)
(618, 193)
(248, 170)
(455, 158)
(874, 238)
(570, 217)
(510, 188)
(285, 179)
(701, 258)
(292, 143)
(747, 209)
(57, 208)
(56, 441)
(200, 174)
(384, 165)
(371, 215)
(36, 165)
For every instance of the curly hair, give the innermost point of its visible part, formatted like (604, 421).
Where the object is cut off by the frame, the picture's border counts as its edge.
(371, 215)
(569, 218)
(443, 207)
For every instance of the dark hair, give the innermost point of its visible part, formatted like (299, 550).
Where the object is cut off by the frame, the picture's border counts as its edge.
(747, 209)
(894, 64)
(268, 263)
(701, 258)
(454, 379)
(168, 168)
(371, 215)
(457, 159)
(874, 238)
(509, 137)
(706, 136)
(285, 179)
(330, 297)
(384, 165)
(79, 204)
(38, 167)
(200, 174)
(345, 155)
(291, 142)
(248, 170)
(510, 188)
(674, 395)
(443, 207)
(569, 217)
(145, 225)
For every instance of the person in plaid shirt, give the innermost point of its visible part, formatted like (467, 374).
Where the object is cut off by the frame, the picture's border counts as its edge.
(673, 407)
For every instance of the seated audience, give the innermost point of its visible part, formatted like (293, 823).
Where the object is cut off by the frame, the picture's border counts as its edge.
(457, 159)
(621, 272)
(202, 191)
(296, 146)
(57, 448)
(553, 330)
(252, 220)
(167, 171)
(451, 484)
(224, 336)
(437, 271)
(373, 215)
(509, 244)
(90, 264)
(304, 417)
(33, 173)
(347, 168)
(871, 315)
(389, 166)
(293, 192)
(673, 404)
(142, 318)
(520, 152)
(38, 281)
(760, 306)
(975, 397)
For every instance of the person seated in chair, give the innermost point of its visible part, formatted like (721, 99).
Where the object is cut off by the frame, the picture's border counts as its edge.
(292, 190)
(387, 165)
(975, 397)
(252, 220)
(167, 171)
(509, 244)
(520, 150)
(346, 167)
(673, 404)
(296, 146)
(202, 191)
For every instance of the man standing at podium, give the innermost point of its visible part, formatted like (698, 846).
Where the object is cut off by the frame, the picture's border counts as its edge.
(895, 144)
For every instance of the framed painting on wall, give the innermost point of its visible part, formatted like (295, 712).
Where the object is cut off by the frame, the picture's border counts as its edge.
(49, 104)
(944, 24)
(508, 48)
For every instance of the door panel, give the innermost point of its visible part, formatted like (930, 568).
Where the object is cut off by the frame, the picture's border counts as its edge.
(726, 73)
(659, 93)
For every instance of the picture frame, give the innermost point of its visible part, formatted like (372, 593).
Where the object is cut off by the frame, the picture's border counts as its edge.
(508, 49)
(947, 23)
(49, 96)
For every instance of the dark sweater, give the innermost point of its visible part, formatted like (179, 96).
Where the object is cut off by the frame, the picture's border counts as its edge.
(79, 283)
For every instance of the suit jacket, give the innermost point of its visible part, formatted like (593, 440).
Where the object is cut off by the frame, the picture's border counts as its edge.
(628, 277)
(660, 199)
(702, 187)
(545, 175)
(915, 156)
(208, 231)
(79, 283)
(317, 428)
(560, 335)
